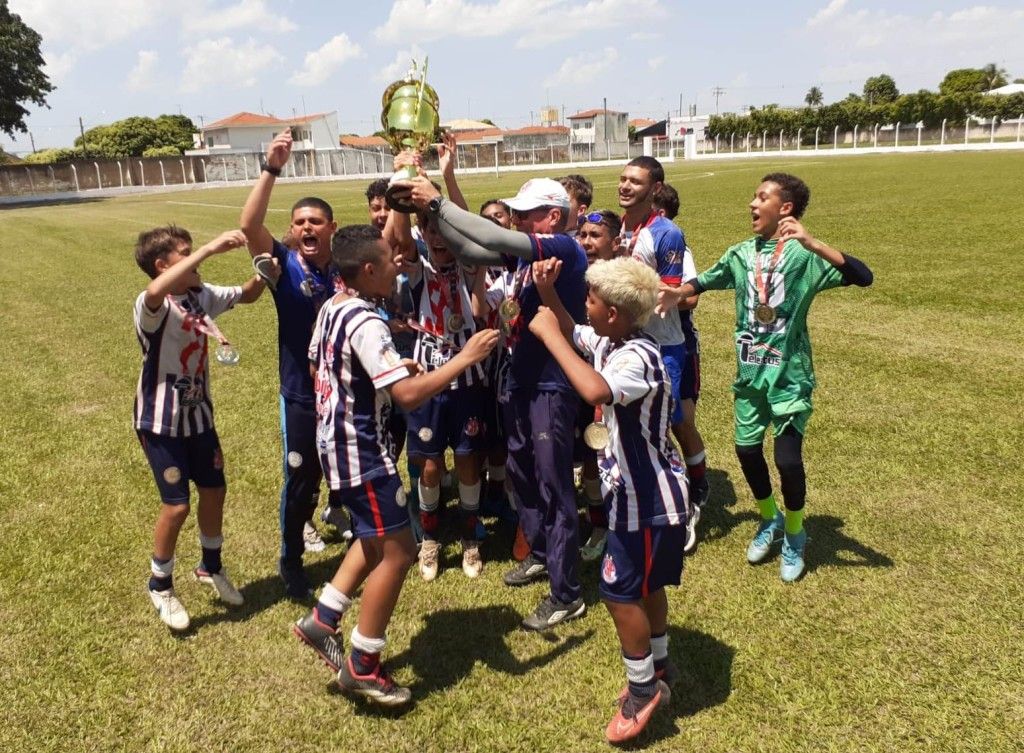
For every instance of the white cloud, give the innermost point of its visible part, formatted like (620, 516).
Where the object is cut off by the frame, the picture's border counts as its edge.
(87, 24)
(225, 61)
(321, 63)
(537, 22)
(829, 11)
(656, 63)
(59, 65)
(200, 19)
(141, 76)
(644, 36)
(398, 67)
(583, 68)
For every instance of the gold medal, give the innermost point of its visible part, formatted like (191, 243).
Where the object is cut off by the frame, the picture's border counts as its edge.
(456, 323)
(764, 313)
(508, 310)
(595, 436)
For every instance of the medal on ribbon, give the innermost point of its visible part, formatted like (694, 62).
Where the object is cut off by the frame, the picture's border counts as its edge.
(596, 435)
(765, 313)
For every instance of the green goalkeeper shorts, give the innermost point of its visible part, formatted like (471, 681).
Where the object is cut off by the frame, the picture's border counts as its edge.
(754, 412)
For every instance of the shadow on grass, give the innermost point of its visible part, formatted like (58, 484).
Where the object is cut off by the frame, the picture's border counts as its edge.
(705, 681)
(828, 545)
(718, 519)
(452, 641)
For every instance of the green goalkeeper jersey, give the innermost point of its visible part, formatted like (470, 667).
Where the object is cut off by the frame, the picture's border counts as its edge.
(773, 358)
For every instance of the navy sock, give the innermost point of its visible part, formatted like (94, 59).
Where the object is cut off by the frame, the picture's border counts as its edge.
(160, 583)
(363, 663)
(327, 616)
(211, 560)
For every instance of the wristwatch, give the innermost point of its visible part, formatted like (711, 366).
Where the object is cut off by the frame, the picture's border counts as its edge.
(435, 205)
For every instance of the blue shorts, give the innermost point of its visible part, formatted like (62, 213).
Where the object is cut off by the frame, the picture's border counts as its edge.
(377, 507)
(177, 460)
(689, 388)
(638, 563)
(674, 357)
(453, 418)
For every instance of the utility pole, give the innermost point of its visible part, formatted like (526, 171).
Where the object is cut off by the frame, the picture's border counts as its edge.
(81, 129)
(604, 106)
(718, 91)
(680, 104)
(32, 141)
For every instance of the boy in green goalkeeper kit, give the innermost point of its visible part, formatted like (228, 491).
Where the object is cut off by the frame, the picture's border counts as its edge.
(776, 275)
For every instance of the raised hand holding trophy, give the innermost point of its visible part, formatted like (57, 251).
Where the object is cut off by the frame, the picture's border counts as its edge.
(410, 120)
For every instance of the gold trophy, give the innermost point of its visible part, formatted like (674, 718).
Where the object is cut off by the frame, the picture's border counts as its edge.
(411, 122)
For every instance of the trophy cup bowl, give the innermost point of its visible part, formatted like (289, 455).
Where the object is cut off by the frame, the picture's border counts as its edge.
(410, 121)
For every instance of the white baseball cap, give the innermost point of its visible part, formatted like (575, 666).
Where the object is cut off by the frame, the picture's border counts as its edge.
(539, 192)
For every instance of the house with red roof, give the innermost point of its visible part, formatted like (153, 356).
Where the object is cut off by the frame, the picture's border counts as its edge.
(252, 132)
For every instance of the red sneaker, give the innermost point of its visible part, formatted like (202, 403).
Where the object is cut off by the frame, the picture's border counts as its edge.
(633, 715)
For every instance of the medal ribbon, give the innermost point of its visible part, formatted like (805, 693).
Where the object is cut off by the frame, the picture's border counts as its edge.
(319, 292)
(764, 286)
(455, 300)
(631, 242)
(198, 320)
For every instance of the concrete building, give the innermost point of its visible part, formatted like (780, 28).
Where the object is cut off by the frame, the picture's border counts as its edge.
(599, 134)
(250, 132)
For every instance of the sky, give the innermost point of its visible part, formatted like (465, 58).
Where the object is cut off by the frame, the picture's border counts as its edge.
(497, 59)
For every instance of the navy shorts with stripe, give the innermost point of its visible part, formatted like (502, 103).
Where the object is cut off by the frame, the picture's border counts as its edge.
(453, 418)
(638, 563)
(177, 460)
(674, 357)
(689, 386)
(377, 507)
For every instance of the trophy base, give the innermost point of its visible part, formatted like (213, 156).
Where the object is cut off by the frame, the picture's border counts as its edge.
(400, 205)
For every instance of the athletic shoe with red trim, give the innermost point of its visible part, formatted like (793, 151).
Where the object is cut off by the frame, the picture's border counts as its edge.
(376, 686)
(634, 713)
(322, 638)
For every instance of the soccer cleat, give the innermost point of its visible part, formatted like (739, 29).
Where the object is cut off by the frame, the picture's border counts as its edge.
(792, 566)
(171, 611)
(311, 538)
(692, 518)
(321, 638)
(634, 713)
(527, 571)
(594, 547)
(550, 613)
(768, 533)
(337, 517)
(429, 551)
(220, 583)
(377, 686)
(472, 564)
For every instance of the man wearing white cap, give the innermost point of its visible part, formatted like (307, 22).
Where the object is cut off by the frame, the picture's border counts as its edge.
(540, 403)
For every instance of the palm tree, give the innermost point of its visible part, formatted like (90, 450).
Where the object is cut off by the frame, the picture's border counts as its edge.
(814, 97)
(994, 76)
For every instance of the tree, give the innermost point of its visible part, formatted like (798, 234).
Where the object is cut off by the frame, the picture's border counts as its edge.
(814, 97)
(965, 81)
(994, 76)
(132, 137)
(21, 71)
(880, 90)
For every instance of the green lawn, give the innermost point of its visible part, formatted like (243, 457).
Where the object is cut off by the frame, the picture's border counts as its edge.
(904, 635)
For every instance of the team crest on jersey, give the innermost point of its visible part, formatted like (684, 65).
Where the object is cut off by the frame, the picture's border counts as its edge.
(472, 427)
(400, 497)
(294, 459)
(190, 391)
(608, 574)
(172, 474)
(757, 354)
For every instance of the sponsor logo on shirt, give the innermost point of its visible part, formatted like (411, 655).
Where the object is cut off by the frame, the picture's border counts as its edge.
(757, 354)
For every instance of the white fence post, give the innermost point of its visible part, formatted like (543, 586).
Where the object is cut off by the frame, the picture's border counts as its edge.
(120, 173)
(163, 175)
(896, 144)
(781, 131)
(855, 126)
(99, 180)
(992, 132)
(835, 139)
(874, 137)
(817, 132)
(798, 132)
(920, 125)
(942, 136)
(748, 142)
(142, 172)
(245, 167)
(764, 141)
(31, 185)
(184, 175)
(53, 177)
(732, 142)
(1019, 119)
(967, 129)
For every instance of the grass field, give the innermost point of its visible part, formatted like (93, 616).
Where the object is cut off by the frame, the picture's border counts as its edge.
(904, 635)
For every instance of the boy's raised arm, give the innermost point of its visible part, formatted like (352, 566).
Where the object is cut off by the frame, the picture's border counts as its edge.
(169, 279)
(254, 213)
(588, 382)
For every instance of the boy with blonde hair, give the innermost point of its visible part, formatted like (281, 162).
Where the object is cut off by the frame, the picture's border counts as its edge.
(644, 484)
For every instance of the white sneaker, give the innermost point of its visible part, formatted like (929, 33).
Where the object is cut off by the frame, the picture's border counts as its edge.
(594, 547)
(171, 612)
(691, 528)
(337, 517)
(225, 589)
(428, 559)
(311, 538)
(472, 563)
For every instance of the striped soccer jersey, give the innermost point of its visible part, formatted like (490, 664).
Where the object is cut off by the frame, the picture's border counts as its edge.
(661, 246)
(355, 360)
(173, 393)
(642, 477)
(441, 297)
